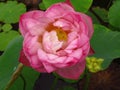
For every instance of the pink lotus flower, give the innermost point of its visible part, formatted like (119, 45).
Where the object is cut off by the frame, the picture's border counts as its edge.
(56, 40)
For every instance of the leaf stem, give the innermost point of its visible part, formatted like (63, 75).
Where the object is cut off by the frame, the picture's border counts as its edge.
(87, 80)
(54, 83)
(24, 81)
(15, 75)
(99, 18)
(109, 4)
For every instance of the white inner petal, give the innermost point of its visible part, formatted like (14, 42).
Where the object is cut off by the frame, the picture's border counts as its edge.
(50, 42)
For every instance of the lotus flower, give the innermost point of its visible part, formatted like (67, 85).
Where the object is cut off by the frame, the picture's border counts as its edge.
(56, 40)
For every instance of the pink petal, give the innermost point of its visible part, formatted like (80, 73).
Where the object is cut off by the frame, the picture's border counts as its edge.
(49, 67)
(72, 72)
(35, 15)
(89, 24)
(86, 49)
(23, 59)
(50, 58)
(57, 10)
(59, 60)
(68, 2)
(77, 42)
(63, 24)
(82, 40)
(52, 62)
(72, 36)
(76, 53)
(44, 59)
(37, 65)
(80, 22)
(71, 17)
(62, 62)
(50, 42)
(30, 47)
(31, 44)
(42, 55)
(32, 26)
(34, 62)
(73, 45)
(91, 52)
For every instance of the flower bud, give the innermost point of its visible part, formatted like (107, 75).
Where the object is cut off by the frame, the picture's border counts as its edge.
(94, 64)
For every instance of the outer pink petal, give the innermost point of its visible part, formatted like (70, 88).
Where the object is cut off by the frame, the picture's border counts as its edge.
(35, 15)
(68, 2)
(57, 10)
(89, 24)
(82, 40)
(34, 62)
(30, 47)
(72, 17)
(91, 52)
(31, 44)
(23, 59)
(72, 72)
(66, 25)
(73, 45)
(44, 59)
(78, 42)
(77, 53)
(63, 62)
(31, 26)
(52, 62)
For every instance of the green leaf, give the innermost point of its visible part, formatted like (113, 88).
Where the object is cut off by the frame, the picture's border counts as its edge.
(29, 77)
(113, 28)
(9, 61)
(94, 18)
(69, 80)
(114, 15)
(0, 27)
(48, 3)
(18, 84)
(6, 27)
(72, 81)
(11, 11)
(102, 13)
(106, 44)
(6, 37)
(81, 5)
(68, 88)
(42, 6)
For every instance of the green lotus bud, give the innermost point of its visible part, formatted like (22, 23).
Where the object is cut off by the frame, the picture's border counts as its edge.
(94, 64)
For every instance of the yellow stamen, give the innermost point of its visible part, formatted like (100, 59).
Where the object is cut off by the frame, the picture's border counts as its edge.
(62, 35)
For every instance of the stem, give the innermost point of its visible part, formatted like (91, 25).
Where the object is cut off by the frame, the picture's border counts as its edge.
(14, 76)
(54, 83)
(110, 2)
(24, 81)
(87, 80)
(99, 18)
